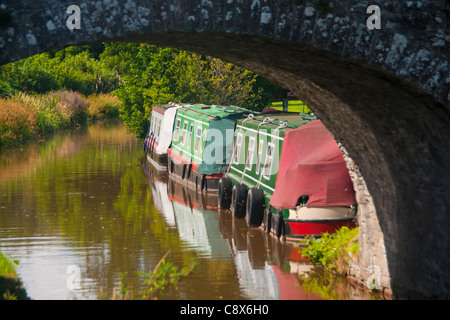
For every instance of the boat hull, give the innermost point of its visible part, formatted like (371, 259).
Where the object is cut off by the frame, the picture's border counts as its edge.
(186, 172)
(178, 191)
(306, 221)
(158, 161)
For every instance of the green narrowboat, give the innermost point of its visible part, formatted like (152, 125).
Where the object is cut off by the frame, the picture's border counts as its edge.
(202, 143)
(259, 168)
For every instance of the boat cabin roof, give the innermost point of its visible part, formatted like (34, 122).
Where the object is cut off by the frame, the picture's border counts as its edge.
(210, 112)
(273, 120)
(162, 108)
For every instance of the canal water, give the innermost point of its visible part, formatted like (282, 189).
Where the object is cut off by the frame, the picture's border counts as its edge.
(87, 218)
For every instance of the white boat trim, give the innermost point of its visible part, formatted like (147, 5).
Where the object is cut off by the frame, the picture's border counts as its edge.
(195, 120)
(305, 214)
(260, 132)
(186, 152)
(250, 177)
(157, 165)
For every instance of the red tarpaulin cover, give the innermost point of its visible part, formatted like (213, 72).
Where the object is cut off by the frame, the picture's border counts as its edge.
(312, 164)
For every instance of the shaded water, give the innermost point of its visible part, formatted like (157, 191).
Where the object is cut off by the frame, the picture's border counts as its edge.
(86, 201)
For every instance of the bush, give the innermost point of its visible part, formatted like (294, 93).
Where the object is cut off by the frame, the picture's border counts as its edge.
(11, 287)
(102, 106)
(5, 89)
(33, 75)
(73, 68)
(332, 250)
(56, 110)
(71, 105)
(23, 116)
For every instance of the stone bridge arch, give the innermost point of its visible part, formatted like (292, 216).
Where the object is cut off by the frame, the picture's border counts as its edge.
(383, 93)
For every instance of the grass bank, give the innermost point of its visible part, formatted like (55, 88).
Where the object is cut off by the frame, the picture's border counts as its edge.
(11, 287)
(26, 117)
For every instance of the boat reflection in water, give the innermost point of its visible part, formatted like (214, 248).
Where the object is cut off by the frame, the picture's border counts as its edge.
(265, 267)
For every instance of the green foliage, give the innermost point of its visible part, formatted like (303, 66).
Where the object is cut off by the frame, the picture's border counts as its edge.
(103, 106)
(329, 250)
(153, 75)
(5, 89)
(55, 110)
(165, 275)
(25, 116)
(141, 76)
(32, 75)
(72, 68)
(16, 123)
(11, 287)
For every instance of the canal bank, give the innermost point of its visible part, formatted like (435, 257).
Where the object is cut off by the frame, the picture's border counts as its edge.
(11, 287)
(26, 117)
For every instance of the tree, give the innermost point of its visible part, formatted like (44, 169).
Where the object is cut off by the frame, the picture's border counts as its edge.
(141, 75)
(72, 68)
(153, 75)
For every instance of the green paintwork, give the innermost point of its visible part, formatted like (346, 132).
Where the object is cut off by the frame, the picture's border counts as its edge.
(248, 164)
(191, 131)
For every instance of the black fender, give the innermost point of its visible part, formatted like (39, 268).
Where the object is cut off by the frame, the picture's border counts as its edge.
(255, 207)
(224, 192)
(239, 200)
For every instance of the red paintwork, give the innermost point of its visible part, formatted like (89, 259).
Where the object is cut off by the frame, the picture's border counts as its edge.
(290, 288)
(158, 110)
(318, 228)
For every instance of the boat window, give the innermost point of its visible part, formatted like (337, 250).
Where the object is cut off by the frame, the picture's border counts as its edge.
(237, 152)
(250, 153)
(191, 129)
(183, 137)
(204, 133)
(198, 136)
(177, 130)
(155, 123)
(152, 124)
(269, 160)
(258, 160)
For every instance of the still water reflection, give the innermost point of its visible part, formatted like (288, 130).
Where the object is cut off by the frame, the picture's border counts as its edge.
(87, 200)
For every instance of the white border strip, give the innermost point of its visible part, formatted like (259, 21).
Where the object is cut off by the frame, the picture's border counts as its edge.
(184, 152)
(270, 188)
(260, 132)
(196, 120)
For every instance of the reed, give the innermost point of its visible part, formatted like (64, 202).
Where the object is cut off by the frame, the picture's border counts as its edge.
(24, 116)
(17, 123)
(101, 106)
(55, 110)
